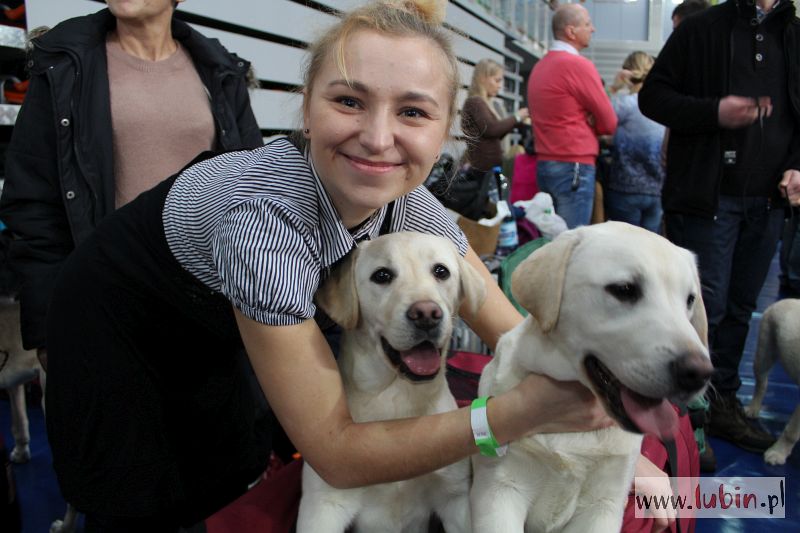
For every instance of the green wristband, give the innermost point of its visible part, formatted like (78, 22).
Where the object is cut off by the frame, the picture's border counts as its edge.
(484, 438)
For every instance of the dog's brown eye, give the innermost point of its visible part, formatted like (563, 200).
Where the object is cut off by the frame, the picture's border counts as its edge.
(441, 272)
(382, 276)
(690, 300)
(625, 292)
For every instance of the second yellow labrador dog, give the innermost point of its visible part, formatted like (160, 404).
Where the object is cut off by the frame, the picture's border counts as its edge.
(778, 340)
(619, 309)
(396, 299)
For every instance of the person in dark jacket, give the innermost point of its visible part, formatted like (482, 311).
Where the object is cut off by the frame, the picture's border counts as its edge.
(727, 84)
(118, 101)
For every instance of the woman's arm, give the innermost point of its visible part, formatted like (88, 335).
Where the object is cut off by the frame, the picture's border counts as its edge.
(301, 380)
(497, 315)
(478, 120)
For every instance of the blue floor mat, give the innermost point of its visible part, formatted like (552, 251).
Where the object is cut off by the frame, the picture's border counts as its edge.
(42, 503)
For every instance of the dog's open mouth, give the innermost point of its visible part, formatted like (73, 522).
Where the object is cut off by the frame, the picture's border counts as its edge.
(420, 363)
(632, 410)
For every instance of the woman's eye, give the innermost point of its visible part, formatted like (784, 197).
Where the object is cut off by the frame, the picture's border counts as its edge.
(414, 113)
(382, 276)
(347, 101)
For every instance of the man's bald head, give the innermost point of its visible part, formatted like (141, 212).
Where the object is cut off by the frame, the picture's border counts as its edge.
(571, 23)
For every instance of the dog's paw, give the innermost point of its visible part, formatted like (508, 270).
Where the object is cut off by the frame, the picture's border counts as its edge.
(777, 453)
(751, 411)
(20, 454)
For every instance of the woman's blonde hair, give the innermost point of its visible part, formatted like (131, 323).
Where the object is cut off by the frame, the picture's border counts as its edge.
(485, 69)
(398, 18)
(639, 64)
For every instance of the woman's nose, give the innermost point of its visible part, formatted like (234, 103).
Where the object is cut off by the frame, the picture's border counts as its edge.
(376, 133)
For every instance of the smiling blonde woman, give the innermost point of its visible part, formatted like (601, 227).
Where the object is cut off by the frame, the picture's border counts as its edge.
(150, 423)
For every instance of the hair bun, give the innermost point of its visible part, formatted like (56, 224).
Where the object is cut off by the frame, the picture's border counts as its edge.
(431, 11)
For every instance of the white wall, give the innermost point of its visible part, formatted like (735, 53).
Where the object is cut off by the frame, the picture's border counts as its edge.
(272, 34)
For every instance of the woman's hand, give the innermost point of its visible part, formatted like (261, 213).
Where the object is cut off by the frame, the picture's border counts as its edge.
(621, 80)
(652, 482)
(565, 406)
(523, 114)
(539, 404)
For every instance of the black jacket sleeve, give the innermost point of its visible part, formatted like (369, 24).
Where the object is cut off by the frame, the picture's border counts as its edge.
(33, 208)
(667, 95)
(249, 132)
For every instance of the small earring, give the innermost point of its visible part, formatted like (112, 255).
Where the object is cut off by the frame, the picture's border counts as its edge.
(306, 131)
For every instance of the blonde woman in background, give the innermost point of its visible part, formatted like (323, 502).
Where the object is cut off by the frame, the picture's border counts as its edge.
(633, 189)
(482, 123)
(480, 119)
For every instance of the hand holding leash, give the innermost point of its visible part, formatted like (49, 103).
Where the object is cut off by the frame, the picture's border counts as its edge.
(739, 111)
(790, 186)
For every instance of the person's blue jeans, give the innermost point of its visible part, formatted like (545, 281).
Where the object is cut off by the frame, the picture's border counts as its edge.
(734, 252)
(572, 187)
(643, 210)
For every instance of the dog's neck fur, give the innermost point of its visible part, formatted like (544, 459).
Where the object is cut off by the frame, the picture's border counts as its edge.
(543, 357)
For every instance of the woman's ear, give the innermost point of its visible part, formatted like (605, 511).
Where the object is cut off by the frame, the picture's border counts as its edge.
(306, 119)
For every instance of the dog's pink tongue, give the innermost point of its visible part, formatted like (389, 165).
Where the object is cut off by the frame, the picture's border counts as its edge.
(650, 416)
(422, 360)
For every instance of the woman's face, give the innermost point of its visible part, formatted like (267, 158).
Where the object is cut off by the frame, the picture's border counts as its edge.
(377, 138)
(139, 10)
(493, 84)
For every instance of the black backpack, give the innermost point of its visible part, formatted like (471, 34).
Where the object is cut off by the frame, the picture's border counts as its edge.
(464, 191)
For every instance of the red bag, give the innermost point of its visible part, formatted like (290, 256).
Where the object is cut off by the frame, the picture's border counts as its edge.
(523, 181)
(269, 507)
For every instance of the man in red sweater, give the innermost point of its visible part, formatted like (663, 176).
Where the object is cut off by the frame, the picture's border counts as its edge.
(569, 109)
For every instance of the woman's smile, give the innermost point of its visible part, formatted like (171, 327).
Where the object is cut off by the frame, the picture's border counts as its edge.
(371, 167)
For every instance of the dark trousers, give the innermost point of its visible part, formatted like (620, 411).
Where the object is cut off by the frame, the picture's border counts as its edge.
(734, 252)
(790, 252)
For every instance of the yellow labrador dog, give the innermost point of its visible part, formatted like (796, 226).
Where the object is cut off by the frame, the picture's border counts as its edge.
(396, 299)
(617, 308)
(778, 339)
(17, 367)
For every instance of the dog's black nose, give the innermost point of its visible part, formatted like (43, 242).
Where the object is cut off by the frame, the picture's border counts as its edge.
(691, 371)
(425, 315)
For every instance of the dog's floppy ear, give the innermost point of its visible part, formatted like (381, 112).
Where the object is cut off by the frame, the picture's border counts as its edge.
(538, 281)
(472, 291)
(338, 296)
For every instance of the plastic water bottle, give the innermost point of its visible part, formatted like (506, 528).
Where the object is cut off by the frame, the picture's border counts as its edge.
(507, 240)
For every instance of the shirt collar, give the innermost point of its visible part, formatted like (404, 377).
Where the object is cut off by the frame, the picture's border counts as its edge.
(761, 14)
(561, 46)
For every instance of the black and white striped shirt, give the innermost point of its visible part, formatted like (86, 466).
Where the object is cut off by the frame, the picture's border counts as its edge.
(259, 227)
